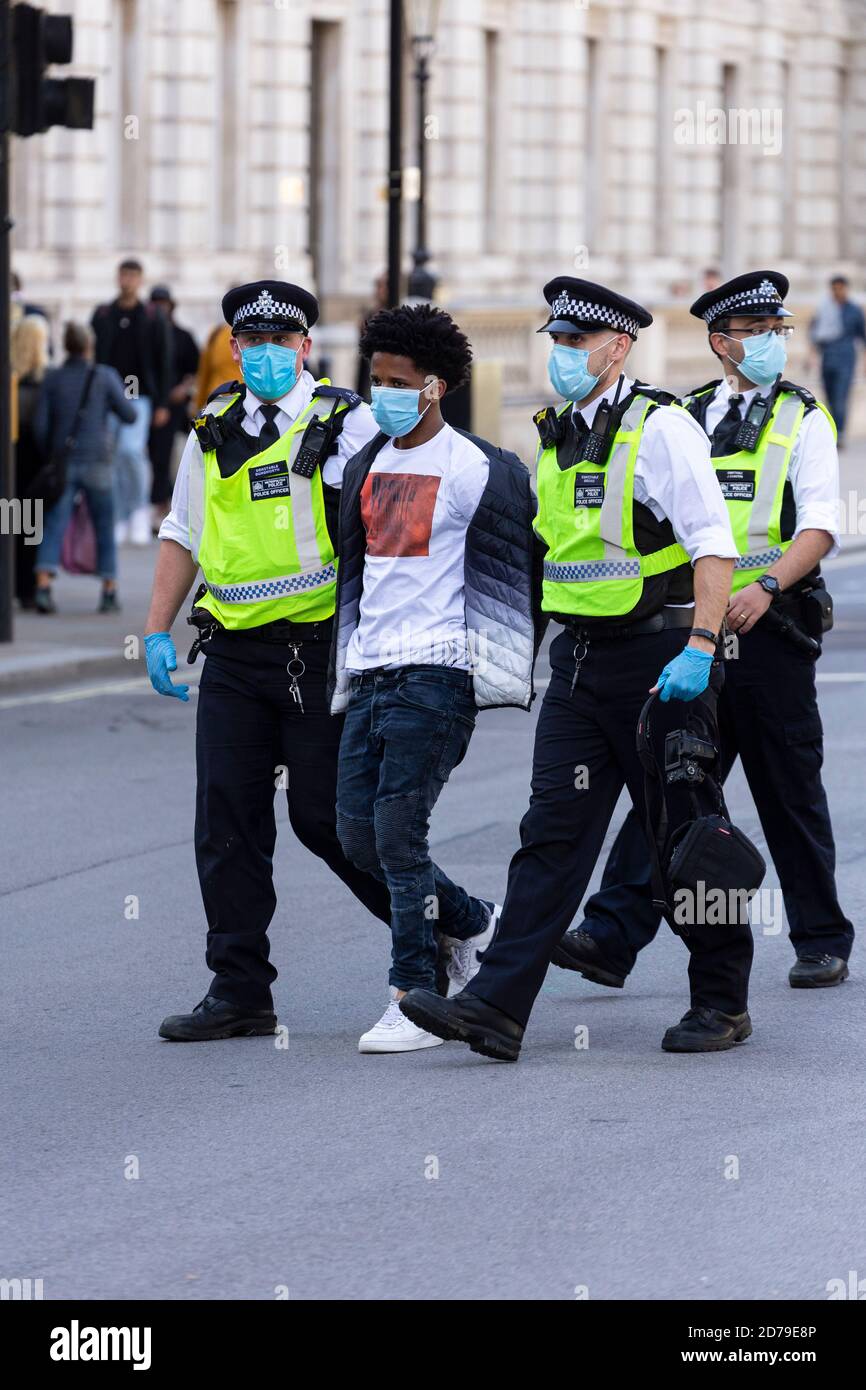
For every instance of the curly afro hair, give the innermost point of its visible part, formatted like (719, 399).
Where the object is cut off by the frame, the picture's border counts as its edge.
(427, 336)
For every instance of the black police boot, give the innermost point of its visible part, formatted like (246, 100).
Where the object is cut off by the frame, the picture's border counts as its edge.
(577, 951)
(707, 1030)
(817, 971)
(217, 1018)
(465, 1018)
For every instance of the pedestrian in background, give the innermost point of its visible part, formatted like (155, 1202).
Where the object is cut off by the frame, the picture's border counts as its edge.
(70, 425)
(29, 352)
(184, 364)
(135, 339)
(835, 331)
(19, 300)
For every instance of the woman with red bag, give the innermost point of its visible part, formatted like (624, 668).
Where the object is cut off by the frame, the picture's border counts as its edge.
(70, 425)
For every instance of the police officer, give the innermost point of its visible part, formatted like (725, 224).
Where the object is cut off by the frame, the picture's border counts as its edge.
(255, 506)
(773, 448)
(638, 564)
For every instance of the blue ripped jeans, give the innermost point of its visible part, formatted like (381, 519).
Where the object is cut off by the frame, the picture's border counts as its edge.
(405, 731)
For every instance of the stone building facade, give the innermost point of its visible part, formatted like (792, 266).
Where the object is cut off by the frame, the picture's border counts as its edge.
(634, 141)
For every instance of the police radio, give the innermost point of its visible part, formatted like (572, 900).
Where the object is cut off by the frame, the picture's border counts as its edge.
(314, 447)
(594, 448)
(756, 417)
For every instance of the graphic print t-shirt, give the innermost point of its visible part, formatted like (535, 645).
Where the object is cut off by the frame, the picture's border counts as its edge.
(416, 505)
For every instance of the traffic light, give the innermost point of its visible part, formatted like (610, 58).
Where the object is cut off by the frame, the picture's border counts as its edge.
(38, 101)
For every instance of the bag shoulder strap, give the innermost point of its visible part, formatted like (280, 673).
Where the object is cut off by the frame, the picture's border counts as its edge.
(69, 441)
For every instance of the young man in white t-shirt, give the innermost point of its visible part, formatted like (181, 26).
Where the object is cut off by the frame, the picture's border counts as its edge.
(409, 660)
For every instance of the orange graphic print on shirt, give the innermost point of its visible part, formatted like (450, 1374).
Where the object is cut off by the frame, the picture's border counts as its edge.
(397, 512)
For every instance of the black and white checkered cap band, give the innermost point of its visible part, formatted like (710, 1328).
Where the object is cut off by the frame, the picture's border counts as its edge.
(761, 296)
(269, 310)
(583, 311)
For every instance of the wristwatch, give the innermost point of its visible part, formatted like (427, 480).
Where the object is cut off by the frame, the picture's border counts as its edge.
(704, 632)
(770, 585)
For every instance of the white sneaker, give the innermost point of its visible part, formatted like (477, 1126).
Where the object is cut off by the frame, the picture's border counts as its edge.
(396, 1033)
(121, 532)
(139, 527)
(466, 956)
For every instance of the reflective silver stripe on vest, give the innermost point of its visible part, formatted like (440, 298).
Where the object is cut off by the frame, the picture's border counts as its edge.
(265, 589)
(775, 462)
(591, 569)
(303, 512)
(195, 503)
(759, 559)
(610, 517)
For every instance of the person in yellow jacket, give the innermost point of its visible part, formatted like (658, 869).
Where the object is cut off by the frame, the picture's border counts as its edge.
(255, 506)
(215, 365)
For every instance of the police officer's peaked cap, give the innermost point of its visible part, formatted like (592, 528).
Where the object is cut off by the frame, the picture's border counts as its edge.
(759, 293)
(579, 306)
(266, 306)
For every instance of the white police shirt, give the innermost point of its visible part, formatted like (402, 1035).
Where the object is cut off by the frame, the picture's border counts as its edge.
(813, 469)
(416, 506)
(674, 477)
(358, 427)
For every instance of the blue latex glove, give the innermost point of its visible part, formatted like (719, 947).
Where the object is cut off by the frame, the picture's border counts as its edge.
(161, 659)
(687, 676)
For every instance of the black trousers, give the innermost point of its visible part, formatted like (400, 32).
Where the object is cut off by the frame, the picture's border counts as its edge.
(768, 716)
(249, 729)
(584, 754)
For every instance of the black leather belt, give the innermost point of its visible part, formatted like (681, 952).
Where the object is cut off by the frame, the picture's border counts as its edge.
(610, 632)
(279, 632)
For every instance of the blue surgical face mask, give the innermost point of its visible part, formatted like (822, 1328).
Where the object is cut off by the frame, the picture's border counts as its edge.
(395, 409)
(569, 373)
(270, 371)
(765, 357)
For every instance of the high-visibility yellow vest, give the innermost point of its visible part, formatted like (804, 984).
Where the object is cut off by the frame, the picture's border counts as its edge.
(260, 535)
(593, 568)
(753, 486)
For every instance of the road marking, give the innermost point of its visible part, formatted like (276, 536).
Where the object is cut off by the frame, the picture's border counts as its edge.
(87, 692)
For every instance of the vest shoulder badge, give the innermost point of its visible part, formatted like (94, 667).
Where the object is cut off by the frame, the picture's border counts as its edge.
(340, 393)
(805, 395)
(654, 394)
(228, 388)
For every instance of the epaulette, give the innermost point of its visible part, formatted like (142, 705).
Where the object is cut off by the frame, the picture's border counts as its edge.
(702, 390)
(805, 395)
(228, 388)
(341, 393)
(654, 393)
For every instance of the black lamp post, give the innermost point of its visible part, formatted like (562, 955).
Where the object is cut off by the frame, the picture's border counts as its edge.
(422, 17)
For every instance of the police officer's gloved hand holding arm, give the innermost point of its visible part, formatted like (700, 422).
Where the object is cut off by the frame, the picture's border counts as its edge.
(175, 573)
(688, 675)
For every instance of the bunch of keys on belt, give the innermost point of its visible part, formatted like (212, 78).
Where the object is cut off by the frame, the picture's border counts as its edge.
(581, 651)
(295, 669)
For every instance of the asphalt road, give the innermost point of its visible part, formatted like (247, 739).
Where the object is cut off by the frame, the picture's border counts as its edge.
(129, 1170)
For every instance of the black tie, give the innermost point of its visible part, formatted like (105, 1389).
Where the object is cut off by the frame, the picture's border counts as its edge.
(269, 434)
(725, 433)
